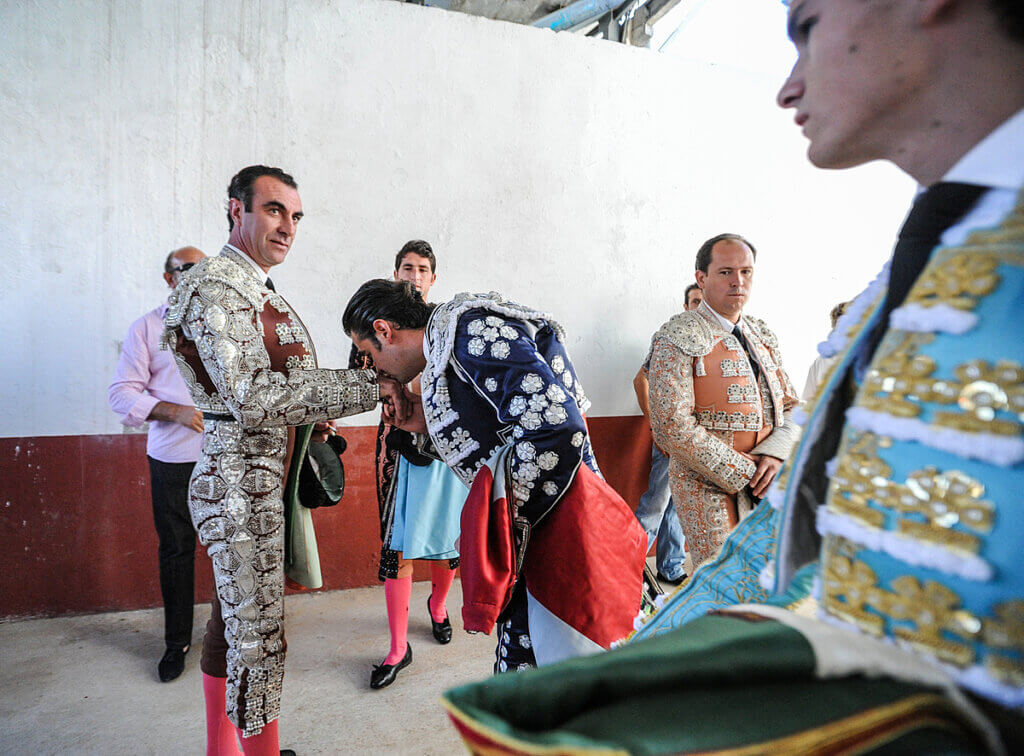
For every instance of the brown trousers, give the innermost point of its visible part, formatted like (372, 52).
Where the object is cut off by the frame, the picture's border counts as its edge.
(215, 649)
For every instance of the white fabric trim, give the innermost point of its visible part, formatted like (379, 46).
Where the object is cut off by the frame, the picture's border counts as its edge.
(832, 466)
(766, 577)
(993, 207)
(1001, 450)
(941, 318)
(842, 651)
(906, 549)
(554, 640)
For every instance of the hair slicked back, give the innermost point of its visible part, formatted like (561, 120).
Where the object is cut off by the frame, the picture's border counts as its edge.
(240, 187)
(398, 302)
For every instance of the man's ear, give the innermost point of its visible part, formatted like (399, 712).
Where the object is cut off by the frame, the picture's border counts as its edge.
(385, 330)
(700, 276)
(235, 207)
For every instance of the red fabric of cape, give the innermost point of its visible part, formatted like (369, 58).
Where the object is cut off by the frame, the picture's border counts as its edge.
(487, 554)
(584, 561)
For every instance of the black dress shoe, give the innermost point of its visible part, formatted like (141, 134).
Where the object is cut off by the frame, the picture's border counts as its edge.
(671, 581)
(287, 752)
(442, 630)
(385, 674)
(172, 665)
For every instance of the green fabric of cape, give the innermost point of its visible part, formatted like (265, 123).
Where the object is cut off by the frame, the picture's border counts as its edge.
(721, 682)
(301, 557)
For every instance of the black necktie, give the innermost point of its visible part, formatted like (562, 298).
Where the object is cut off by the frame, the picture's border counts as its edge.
(936, 209)
(270, 285)
(754, 364)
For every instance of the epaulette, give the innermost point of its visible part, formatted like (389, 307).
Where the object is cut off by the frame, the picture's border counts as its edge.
(763, 332)
(690, 332)
(211, 271)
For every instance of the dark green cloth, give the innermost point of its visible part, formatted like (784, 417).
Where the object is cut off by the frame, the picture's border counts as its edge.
(719, 682)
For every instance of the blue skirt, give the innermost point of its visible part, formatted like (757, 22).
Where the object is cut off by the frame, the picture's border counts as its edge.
(428, 507)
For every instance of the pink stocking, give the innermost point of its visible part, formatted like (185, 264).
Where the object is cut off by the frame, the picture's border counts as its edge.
(220, 733)
(264, 744)
(441, 578)
(396, 596)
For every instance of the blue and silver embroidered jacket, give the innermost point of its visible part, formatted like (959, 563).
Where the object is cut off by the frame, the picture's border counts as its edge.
(498, 373)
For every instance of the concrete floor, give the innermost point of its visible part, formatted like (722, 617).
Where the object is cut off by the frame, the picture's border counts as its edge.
(88, 685)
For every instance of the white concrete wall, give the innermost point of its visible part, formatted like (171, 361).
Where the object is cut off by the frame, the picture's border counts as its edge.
(575, 175)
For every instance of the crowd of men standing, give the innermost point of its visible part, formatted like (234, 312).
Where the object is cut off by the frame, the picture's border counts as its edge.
(499, 401)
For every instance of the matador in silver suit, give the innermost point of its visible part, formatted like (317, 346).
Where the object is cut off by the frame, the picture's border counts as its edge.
(251, 368)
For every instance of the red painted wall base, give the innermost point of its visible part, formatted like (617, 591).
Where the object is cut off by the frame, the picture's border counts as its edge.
(77, 524)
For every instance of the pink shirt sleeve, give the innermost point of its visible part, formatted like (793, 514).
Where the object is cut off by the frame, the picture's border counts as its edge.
(126, 394)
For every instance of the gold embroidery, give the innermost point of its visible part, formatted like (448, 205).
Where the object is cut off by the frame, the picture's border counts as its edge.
(959, 282)
(931, 616)
(1005, 631)
(856, 583)
(901, 380)
(943, 499)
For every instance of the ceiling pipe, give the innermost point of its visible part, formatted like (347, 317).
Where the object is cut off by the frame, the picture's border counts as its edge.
(575, 14)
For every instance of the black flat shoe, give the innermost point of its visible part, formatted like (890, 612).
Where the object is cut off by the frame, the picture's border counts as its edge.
(667, 581)
(442, 630)
(172, 665)
(385, 674)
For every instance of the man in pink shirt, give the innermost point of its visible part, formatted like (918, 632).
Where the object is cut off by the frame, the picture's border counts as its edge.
(148, 387)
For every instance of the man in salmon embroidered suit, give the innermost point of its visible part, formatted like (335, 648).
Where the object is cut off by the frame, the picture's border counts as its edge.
(721, 402)
(251, 369)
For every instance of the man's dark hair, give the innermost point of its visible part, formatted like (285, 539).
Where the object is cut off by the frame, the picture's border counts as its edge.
(168, 264)
(837, 312)
(240, 187)
(416, 247)
(686, 294)
(1010, 17)
(704, 253)
(398, 302)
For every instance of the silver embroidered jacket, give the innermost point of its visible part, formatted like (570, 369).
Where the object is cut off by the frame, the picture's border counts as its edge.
(251, 368)
(244, 351)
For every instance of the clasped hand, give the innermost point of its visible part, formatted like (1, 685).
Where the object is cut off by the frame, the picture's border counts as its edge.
(403, 409)
(764, 475)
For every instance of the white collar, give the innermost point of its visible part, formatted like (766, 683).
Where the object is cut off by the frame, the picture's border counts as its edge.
(260, 273)
(997, 160)
(727, 324)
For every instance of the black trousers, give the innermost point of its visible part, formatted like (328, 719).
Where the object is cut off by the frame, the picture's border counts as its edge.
(177, 552)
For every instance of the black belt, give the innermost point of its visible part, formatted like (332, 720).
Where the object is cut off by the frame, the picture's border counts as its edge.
(220, 417)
